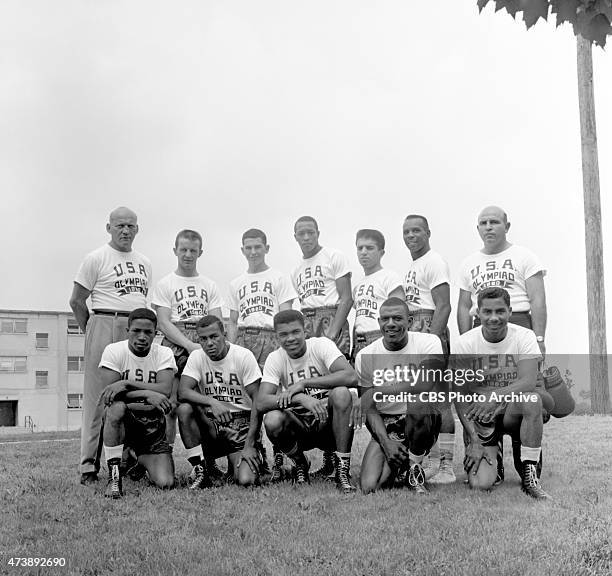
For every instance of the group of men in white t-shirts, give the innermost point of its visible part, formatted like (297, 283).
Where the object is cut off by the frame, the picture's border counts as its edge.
(295, 373)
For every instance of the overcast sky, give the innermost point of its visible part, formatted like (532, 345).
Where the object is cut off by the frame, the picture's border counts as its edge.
(226, 115)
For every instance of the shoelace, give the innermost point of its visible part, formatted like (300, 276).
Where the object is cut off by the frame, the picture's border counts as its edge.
(416, 476)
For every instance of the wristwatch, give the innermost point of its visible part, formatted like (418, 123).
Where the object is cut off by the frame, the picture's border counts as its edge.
(539, 338)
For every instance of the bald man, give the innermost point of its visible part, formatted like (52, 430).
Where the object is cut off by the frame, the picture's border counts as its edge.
(500, 264)
(117, 279)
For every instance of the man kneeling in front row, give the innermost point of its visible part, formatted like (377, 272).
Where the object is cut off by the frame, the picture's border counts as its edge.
(216, 390)
(403, 431)
(504, 399)
(137, 376)
(306, 400)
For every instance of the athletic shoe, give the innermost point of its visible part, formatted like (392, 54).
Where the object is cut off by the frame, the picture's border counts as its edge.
(200, 478)
(530, 483)
(327, 471)
(136, 472)
(214, 473)
(518, 464)
(343, 476)
(416, 479)
(89, 478)
(114, 488)
(278, 473)
(302, 466)
(445, 475)
(430, 467)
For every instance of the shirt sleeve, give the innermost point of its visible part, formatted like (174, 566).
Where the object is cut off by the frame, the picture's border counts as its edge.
(340, 264)
(363, 367)
(161, 295)
(531, 264)
(193, 366)
(528, 346)
(272, 369)
(284, 290)
(464, 277)
(438, 273)
(215, 300)
(327, 351)
(250, 369)
(111, 359)
(392, 281)
(232, 295)
(166, 359)
(87, 274)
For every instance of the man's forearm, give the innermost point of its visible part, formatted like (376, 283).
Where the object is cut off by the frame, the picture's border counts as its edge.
(440, 319)
(254, 427)
(81, 313)
(346, 378)
(344, 307)
(193, 397)
(161, 387)
(462, 408)
(538, 318)
(464, 320)
(377, 425)
(175, 336)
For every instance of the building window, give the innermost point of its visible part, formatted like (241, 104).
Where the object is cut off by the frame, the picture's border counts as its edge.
(75, 401)
(42, 379)
(13, 363)
(76, 363)
(42, 340)
(13, 326)
(73, 327)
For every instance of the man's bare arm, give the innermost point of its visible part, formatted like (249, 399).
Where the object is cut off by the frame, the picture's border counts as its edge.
(171, 331)
(441, 298)
(78, 304)
(464, 320)
(345, 303)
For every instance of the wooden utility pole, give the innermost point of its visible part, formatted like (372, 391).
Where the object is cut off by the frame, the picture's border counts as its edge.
(596, 302)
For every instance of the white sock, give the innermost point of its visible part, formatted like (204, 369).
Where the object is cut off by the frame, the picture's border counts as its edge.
(415, 459)
(530, 454)
(446, 440)
(195, 451)
(113, 452)
(343, 455)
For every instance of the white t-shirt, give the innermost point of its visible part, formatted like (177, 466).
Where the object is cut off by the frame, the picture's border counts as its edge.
(369, 294)
(282, 370)
(120, 358)
(508, 269)
(498, 360)
(117, 280)
(423, 275)
(315, 278)
(373, 360)
(225, 380)
(188, 297)
(257, 297)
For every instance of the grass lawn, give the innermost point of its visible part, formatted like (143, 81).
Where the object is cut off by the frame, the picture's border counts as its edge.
(314, 530)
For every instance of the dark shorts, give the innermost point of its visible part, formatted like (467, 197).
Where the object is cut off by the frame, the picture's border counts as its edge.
(181, 355)
(260, 341)
(420, 321)
(395, 425)
(360, 341)
(312, 433)
(230, 437)
(145, 430)
(317, 322)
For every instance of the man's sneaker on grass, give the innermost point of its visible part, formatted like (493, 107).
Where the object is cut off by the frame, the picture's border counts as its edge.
(278, 472)
(327, 471)
(114, 488)
(199, 478)
(343, 476)
(416, 479)
(300, 471)
(530, 483)
(88, 478)
(445, 475)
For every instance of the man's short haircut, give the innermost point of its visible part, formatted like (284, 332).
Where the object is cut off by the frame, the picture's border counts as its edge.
(395, 301)
(419, 217)
(371, 234)
(493, 292)
(288, 316)
(306, 219)
(255, 233)
(142, 314)
(188, 235)
(209, 320)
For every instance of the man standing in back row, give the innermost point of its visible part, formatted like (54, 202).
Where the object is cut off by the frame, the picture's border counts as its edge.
(323, 285)
(117, 279)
